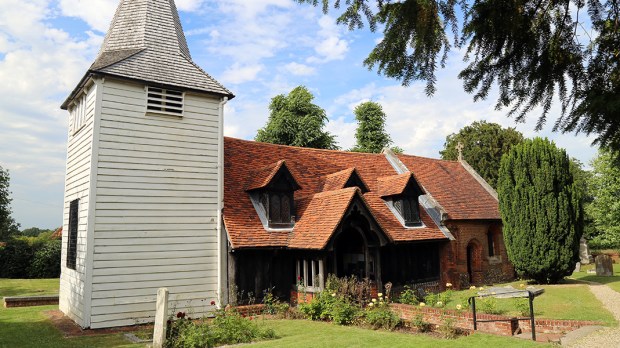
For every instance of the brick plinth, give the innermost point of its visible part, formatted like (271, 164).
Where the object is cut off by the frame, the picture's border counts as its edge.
(464, 320)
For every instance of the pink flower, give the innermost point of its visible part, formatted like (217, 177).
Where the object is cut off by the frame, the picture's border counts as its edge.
(212, 303)
(299, 278)
(181, 315)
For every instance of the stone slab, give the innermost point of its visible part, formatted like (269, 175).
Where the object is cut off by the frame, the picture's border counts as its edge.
(28, 301)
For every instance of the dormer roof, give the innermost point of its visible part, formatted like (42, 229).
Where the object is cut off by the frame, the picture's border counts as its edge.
(263, 177)
(146, 43)
(344, 178)
(394, 185)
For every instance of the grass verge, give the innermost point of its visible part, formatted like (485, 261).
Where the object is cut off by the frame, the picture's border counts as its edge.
(613, 282)
(28, 287)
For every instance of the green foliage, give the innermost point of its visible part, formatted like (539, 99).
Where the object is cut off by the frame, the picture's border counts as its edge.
(605, 209)
(370, 134)
(46, 261)
(344, 313)
(447, 329)
(439, 299)
(408, 296)
(488, 305)
(522, 305)
(541, 209)
(533, 51)
(349, 288)
(294, 120)
(381, 317)
(8, 226)
(30, 257)
(34, 232)
(483, 146)
(320, 307)
(421, 325)
(228, 327)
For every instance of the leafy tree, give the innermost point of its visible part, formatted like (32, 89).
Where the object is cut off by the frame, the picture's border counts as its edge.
(529, 49)
(370, 134)
(483, 146)
(295, 120)
(8, 226)
(605, 208)
(541, 209)
(34, 231)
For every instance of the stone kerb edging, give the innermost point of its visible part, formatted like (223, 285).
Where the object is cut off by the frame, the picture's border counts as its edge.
(27, 301)
(464, 320)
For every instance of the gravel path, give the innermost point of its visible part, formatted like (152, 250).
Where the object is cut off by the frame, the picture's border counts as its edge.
(607, 337)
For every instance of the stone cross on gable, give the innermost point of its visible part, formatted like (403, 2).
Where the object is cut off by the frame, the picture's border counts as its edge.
(459, 148)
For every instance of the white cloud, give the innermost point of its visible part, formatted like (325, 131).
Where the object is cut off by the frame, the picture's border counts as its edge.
(188, 5)
(238, 73)
(43, 64)
(96, 13)
(329, 45)
(299, 69)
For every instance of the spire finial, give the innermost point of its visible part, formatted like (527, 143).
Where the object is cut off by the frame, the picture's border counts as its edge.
(459, 148)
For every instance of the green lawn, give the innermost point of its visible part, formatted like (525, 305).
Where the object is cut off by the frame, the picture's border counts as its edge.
(304, 333)
(29, 327)
(562, 301)
(28, 287)
(613, 281)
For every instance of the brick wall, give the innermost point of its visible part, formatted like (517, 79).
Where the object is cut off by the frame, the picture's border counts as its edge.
(485, 269)
(464, 320)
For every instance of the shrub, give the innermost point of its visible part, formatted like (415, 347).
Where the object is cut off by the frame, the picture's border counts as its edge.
(46, 261)
(344, 313)
(522, 305)
(448, 328)
(15, 258)
(488, 305)
(381, 317)
(421, 325)
(541, 207)
(349, 288)
(228, 327)
(408, 296)
(273, 305)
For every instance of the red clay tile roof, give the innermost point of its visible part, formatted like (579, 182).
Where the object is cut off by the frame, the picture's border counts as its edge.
(263, 176)
(393, 185)
(339, 179)
(312, 169)
(320, 215)
(453, 187)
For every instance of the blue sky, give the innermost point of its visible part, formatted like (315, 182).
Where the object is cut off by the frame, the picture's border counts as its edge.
(256, 48)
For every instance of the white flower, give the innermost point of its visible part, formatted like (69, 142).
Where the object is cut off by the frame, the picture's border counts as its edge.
(458, 306)
(374, 300)
(422, 304)
(370, 304)
(334, 295)
(439, 304)
(473, 287)
(380, 294)
(448, 285)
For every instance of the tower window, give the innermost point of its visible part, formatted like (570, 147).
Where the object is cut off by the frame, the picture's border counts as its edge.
(73, 233)
(164, 101)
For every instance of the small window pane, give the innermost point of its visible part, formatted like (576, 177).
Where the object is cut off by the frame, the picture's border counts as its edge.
(285, 209)
(274, 208)
(73, 234)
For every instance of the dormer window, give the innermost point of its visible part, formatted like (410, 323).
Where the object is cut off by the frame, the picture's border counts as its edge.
(278, 206)
(164, 101)
(409, 209)
(401, 193)
(271, 190)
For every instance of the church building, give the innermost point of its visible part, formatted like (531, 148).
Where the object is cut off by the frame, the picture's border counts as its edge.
(156, 196)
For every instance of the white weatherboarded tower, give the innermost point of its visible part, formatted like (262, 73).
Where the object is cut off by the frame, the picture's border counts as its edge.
(144, 175)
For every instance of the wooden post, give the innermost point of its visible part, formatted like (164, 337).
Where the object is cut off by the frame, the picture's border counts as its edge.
(161, 313)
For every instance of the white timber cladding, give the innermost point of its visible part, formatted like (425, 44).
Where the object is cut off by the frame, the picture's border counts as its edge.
(77, 186)
(155, 208)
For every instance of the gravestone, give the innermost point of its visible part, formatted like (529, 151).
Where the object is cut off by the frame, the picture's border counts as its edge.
(161, 312)
(604, 266)
(584, 255)
(577, 267)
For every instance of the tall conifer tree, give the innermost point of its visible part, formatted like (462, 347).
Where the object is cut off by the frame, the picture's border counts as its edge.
(541, 209)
